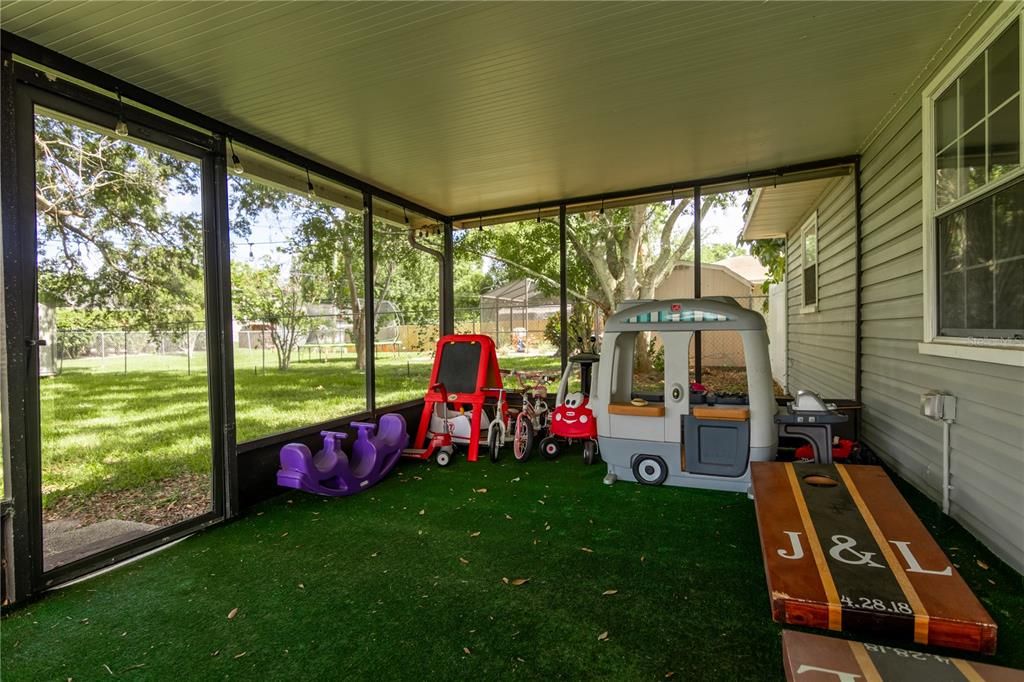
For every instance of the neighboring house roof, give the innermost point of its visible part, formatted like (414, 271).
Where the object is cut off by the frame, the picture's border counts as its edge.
(687, 265)
(746, 266)
(774, 211)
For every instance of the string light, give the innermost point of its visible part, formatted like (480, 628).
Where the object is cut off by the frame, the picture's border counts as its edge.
(406, 214)
(538, 215)
(250, 251)
(602, 206)
(673, 197)
(750, 191)
(121, 129)
(310, 192)
(236, 163)
(480, 226)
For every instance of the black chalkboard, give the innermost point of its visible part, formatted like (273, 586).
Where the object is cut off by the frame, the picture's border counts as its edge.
(459, 365)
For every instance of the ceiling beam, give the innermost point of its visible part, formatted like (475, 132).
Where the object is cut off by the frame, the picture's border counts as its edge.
(62, 64)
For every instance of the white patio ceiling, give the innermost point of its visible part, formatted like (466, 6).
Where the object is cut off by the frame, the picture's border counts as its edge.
(473, 106)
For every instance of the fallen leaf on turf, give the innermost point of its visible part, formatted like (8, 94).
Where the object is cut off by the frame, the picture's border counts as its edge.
(587, 550)
(479, 490)
(515, 480)
(232, 613)
(603, 636)
(108, 668)
(505, 580)
(216, 653)
(284, 533)
(422, 512)
(240, 655)
(982, 564)
(508, 517)
(520, 581)
(464, 562)
(669, 674)
(473, 535)
(301, 586)
(466, 649)
(541, 501)
(608, 593)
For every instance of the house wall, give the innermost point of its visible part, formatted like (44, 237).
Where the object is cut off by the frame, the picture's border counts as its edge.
(987, 439)
(820, 346)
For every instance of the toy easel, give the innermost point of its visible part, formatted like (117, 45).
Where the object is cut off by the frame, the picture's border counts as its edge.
(466, 365)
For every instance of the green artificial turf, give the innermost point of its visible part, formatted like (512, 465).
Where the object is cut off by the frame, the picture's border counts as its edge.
(406, 581)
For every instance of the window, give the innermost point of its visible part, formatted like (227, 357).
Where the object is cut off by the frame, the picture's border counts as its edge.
(977, 121)
(974, 198)
(407, 253)
(809, 262)
(297, 297)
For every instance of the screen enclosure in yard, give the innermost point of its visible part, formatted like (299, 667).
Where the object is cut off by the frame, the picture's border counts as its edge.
(506, 281)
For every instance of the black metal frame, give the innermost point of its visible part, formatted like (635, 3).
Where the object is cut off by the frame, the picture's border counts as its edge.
(668, 188)
(30, 90)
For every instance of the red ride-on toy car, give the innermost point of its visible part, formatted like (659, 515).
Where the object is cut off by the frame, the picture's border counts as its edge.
(572, 419)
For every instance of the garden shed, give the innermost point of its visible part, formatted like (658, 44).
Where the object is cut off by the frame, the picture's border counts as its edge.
(271, 212)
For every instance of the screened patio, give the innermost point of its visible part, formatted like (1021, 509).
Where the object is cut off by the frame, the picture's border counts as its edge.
(317, 193)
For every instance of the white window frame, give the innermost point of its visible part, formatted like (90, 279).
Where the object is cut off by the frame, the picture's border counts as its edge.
(1000, 351)
(809, 224)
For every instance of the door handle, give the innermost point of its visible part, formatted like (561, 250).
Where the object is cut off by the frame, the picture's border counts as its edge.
(35, 342)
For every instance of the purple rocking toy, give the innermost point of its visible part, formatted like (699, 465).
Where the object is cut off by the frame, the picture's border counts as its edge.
(332, 472)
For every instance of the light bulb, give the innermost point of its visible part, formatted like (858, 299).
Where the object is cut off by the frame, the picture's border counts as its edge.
(236, 164)
(122, 128)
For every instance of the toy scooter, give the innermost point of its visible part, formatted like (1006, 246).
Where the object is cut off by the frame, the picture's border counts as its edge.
(572, 419)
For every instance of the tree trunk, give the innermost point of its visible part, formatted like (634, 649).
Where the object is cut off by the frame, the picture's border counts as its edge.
(642, 354)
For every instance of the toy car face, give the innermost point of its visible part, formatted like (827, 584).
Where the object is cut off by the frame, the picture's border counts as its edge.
(574, 421)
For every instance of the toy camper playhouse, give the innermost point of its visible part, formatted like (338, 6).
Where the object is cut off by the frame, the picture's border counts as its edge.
(657, 439)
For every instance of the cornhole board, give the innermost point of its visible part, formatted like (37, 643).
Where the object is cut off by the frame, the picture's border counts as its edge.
(815, 658)
(851, 555)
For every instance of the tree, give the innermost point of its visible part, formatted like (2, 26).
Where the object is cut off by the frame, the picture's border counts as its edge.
(326, 245)
(263, 294)
(109, 237)
(615, 253)
(713, 253)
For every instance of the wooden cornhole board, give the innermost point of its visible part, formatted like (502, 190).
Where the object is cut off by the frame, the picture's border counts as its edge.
(853, 556)
(815, 658)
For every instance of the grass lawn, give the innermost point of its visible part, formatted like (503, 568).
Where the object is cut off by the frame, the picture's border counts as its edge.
(407, 581)
(106, 430)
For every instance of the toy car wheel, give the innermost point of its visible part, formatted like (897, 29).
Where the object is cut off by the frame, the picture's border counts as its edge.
(522, 442)
(494, 444)
(550, 448)
(443, 457)
(650, 470)
(589, 452)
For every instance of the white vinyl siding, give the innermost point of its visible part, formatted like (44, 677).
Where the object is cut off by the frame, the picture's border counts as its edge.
(987, 438)
(820, 342)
